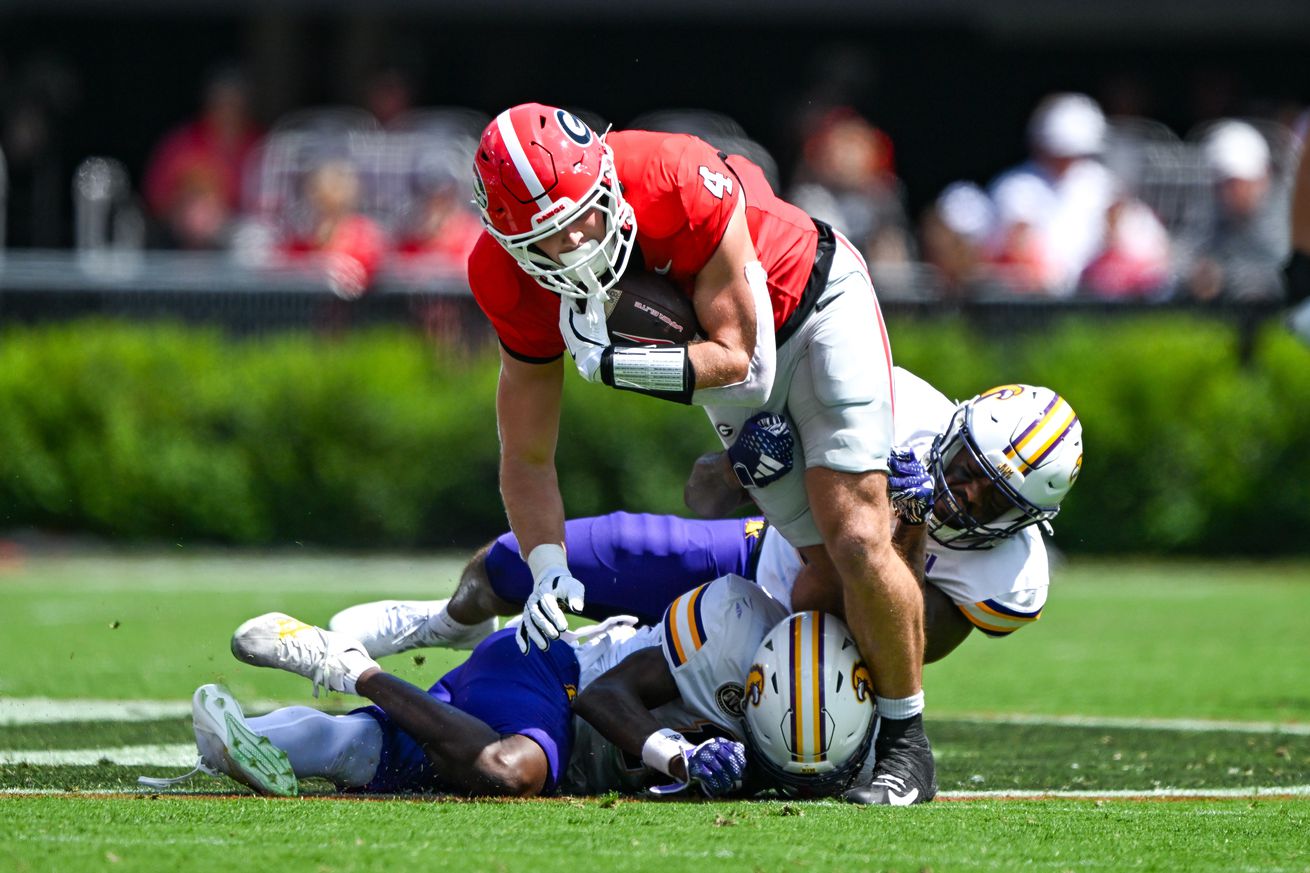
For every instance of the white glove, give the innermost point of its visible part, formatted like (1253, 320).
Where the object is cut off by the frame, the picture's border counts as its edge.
(543, 620)
(585, 333)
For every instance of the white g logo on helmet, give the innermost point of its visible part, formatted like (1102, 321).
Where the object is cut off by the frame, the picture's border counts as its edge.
(575, 127)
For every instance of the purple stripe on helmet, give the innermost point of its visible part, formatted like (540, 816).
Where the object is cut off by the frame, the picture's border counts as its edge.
(793, 655)
(1032, 425)
(821, 750)
(1054, 443)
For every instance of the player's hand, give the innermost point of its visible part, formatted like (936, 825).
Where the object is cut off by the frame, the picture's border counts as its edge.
(909, 485)
(585, 334)
(346, 275)
(717, 766)
(543, 619)
(762, 453)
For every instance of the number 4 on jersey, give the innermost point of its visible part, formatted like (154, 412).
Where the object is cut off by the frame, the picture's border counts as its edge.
(716, 183)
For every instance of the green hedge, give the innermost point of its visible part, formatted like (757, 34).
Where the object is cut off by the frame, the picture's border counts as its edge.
(373, 439)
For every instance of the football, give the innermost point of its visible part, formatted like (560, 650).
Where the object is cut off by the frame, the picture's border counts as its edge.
(646, 309)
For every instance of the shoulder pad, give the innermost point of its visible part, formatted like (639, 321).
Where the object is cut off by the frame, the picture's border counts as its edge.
(711, 612)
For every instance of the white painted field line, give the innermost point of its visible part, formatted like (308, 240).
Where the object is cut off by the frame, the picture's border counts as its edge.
(1130, 793)
(45, 710)
(172, 755)
(1188, 725)
(1118, 794)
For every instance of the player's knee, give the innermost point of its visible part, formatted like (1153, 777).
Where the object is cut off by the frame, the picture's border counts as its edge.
(474, 574)
(854, 542)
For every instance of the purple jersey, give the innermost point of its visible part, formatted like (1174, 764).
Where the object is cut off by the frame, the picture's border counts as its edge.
(635, 564)
(530, 695)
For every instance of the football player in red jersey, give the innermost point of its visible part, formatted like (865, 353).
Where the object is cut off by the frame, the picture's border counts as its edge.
(790, 321)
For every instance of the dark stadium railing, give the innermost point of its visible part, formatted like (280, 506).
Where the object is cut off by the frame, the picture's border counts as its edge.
(215, 289)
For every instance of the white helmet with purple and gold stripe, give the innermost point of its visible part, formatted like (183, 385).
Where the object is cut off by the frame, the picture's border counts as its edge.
(1028, 441)
(808, 706)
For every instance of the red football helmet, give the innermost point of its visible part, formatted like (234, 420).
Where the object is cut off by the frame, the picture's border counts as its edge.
(538, 169)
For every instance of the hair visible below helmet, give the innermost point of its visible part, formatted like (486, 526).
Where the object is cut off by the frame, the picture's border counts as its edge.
(537, 170)
(1029, 442)
(809, 705)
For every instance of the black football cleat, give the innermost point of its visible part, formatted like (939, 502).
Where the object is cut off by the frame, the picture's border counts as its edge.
(903, 770)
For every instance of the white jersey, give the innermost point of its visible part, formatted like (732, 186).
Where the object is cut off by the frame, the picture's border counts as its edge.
(999, 590)
(708, 636)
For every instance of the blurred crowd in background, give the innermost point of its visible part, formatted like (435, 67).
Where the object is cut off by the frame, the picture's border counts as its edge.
(1111, 208)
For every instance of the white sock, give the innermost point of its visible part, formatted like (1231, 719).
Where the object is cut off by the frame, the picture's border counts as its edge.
(443, 627)
(900, 707)
(357, 662)
(343, 748)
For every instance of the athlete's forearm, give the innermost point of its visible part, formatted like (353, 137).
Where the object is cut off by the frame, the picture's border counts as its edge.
(618, 703)
(910, 542)
(735, 364)
(712, 491)
(467, 752)
(527, 419)
(616, 714)
(533, 503)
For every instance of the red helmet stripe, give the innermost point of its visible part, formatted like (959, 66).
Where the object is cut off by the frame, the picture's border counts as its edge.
(519, 156)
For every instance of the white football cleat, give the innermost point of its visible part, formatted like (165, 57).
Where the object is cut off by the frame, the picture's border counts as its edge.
(389, 626)
(332, 660)
(227, 745)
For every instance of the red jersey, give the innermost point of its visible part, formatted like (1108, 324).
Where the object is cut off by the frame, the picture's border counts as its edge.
(683, 195)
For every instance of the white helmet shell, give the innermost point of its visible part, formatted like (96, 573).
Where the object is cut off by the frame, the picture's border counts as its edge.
(1029, 442)
(809, 705)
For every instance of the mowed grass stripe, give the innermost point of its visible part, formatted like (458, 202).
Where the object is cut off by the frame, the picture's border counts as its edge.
(88, 734)
(1267, 791)
(46, 710)
(208, 572)
(1181, 725)
(174, 755)
(1117, 638)
(970, 757)
(202, 834)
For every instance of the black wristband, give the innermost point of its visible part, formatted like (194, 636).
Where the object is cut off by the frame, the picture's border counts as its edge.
(1296, 273)
(682, 394)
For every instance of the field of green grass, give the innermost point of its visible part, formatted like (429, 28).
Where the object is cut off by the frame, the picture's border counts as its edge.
(1156, 718)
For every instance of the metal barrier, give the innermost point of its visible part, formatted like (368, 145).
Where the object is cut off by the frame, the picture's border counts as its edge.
(109, 229)
(4, 203)
(217, 290)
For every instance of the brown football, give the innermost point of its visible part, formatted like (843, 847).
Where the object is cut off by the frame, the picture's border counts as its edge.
(646, 309)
